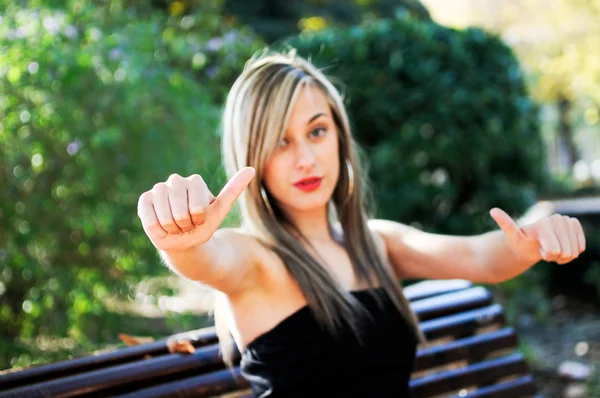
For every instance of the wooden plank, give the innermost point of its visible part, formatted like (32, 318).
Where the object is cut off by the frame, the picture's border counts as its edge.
(99, 360)
(203, 360)
(471, 347)
(465, 323)
(486, 372)
(207, 385)
(451, 303)
(430, 288)
(516, 388)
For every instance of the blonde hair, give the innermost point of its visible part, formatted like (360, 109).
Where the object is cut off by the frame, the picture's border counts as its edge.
(255, 118)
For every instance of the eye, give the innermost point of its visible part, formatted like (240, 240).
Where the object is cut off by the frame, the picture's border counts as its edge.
(283, 143)
(318, 132)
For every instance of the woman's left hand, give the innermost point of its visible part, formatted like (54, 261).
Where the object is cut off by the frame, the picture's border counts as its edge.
(555, 238)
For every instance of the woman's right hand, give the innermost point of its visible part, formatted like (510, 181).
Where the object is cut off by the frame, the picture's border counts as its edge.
(182, 212)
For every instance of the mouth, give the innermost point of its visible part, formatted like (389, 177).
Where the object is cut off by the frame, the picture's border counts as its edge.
(309, 184)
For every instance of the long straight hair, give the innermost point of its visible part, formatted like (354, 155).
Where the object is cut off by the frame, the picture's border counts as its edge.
(255, 118)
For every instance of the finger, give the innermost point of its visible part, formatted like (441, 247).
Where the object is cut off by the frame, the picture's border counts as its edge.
(507, 225)
(561, 230)
(572, 230)
(149, 219)
(578, 231)
(189, 348)
(178, 202)
(199, 197)
(550, 246)
(231, 191)
(160, 198)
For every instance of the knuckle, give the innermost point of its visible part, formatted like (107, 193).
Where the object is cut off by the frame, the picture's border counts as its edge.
(145, 196)
(198, 182)
(159, 187)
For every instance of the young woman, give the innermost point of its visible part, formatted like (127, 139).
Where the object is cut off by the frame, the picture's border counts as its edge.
(308, 283)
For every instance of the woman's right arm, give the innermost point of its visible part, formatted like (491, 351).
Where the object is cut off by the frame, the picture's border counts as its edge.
(227, 261)
(181, 217)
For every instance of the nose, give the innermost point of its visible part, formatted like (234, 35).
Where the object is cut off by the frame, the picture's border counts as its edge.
(305, 158)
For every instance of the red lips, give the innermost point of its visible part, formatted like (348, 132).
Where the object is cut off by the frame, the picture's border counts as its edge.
(309, 183)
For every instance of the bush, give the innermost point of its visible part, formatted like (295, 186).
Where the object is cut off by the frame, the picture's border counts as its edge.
(443, 116)
(99, 103)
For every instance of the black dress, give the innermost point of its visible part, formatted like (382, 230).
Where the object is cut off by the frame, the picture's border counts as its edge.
(297, 358)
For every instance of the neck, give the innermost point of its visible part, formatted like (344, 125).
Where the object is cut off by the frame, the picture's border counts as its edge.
(313, 223)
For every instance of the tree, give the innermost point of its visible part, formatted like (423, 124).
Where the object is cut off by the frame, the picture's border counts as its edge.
(99, 102)
(557, 42)
(276, 19)
(443, 116)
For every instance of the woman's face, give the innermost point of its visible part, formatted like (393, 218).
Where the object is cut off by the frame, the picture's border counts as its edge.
(303, 171)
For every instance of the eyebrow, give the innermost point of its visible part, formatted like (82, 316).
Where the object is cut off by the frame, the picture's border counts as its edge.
(315, 116)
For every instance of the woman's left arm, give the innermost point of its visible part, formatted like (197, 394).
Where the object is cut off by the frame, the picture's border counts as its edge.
(489, 258)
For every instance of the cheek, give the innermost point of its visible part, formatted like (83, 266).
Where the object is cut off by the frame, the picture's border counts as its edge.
(331, 157)
(275, 172)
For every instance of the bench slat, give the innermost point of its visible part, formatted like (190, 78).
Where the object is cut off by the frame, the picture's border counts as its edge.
(204, 359)
(517, 388)
(430, 288)
(208, 385)
(451, 303)
(99, 360)
(466, 348)
(480, 373)
(464, 323)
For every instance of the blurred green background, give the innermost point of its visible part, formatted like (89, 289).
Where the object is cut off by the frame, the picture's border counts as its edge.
(457, 109)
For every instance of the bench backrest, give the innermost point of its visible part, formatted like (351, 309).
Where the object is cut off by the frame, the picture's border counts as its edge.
(471, 354)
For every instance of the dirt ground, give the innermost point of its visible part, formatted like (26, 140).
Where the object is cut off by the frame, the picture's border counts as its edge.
(570, 333)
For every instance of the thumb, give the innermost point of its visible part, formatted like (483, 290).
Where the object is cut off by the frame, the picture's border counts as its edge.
(507, 225)
(231, 191)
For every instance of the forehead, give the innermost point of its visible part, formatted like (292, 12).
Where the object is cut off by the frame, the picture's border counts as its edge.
(309, 102)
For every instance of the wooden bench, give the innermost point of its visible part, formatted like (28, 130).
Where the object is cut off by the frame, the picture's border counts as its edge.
(472, 354)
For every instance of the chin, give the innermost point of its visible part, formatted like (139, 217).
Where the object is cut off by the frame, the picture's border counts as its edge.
(310, 201)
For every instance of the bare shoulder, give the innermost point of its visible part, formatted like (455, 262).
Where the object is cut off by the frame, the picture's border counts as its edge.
(387, 228)
(393, 237)
(379, 233)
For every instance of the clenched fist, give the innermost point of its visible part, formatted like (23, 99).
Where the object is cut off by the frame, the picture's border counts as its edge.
(182, 212)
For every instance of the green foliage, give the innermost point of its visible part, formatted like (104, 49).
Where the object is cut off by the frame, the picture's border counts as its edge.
(444, 118)
(99, 103)
(277, 19)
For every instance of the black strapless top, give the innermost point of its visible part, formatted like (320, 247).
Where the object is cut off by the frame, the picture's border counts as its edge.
(298, 358)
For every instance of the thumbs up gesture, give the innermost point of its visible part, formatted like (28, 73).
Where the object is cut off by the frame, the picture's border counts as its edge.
(555, 238)
(182, 212)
